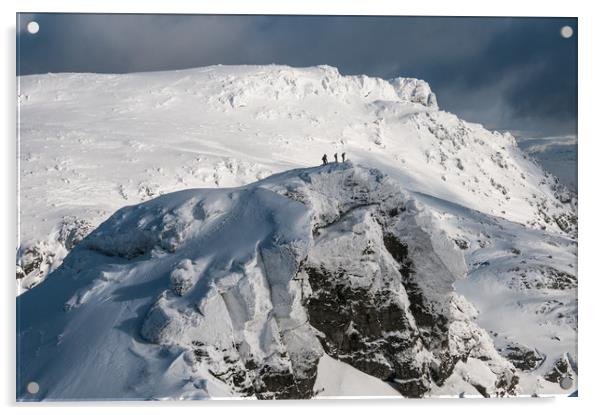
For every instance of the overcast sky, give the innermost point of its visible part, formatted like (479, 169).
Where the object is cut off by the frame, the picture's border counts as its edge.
(516, 74)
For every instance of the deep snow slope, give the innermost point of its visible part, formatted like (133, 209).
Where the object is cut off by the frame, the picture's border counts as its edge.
(332, 280)
(90, 144)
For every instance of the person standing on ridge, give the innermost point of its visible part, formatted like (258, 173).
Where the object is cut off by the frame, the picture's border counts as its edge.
(324, 159)
(336, 158)
(343, 157)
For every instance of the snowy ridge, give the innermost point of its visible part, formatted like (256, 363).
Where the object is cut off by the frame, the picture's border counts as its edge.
(90, 144)
(244, 291)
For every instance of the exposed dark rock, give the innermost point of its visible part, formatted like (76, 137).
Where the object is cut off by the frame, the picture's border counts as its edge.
(32, 260)
(284, 385)
(246, 377)
(481, 389)
(20, 273)
(507, 386)
(560, 370)
(462, 243)
(37, 259)
(559, 280)
(522, 357)
(545, 277)
(373, 333)
(360, 328)
(72, 231)
(567, 222)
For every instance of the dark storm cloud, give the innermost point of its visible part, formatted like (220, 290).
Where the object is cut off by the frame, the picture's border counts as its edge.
(508, 73)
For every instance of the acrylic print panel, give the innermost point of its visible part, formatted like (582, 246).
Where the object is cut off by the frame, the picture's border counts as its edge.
(296, 207)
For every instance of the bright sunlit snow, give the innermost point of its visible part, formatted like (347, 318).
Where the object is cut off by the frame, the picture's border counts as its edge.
(190, 294)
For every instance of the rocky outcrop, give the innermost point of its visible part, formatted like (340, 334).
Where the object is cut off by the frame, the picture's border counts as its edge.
(522, 357)
(561, 373)
(37, 260)
(381, 295)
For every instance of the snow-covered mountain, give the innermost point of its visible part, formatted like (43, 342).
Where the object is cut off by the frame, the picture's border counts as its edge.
(90, 144)
(403, 271)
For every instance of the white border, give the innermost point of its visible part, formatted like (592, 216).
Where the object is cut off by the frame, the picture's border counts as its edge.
(590, 201)
(349, 7)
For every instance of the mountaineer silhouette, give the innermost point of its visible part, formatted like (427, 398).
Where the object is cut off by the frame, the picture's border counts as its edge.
(336, 158)
(324, 159)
